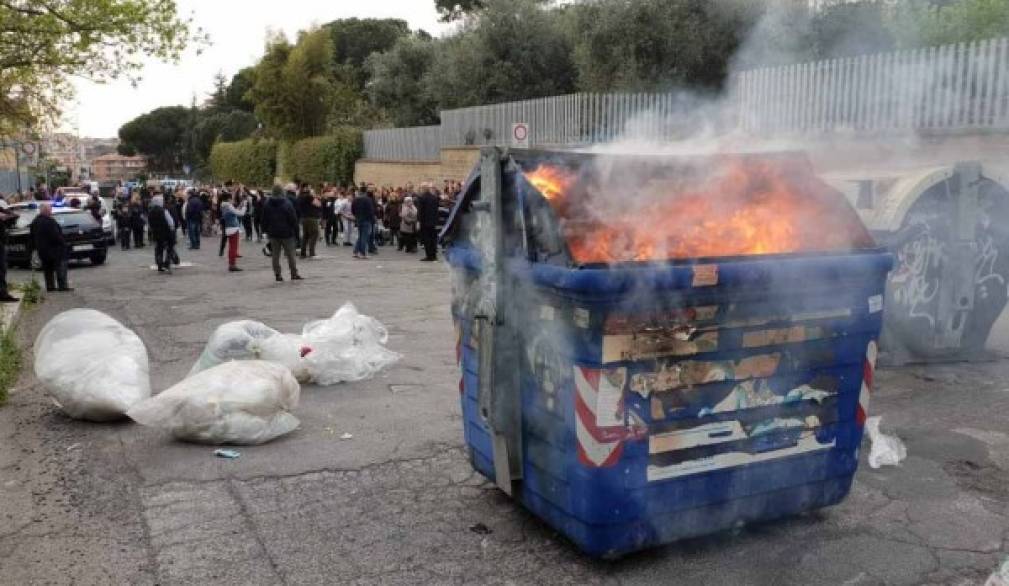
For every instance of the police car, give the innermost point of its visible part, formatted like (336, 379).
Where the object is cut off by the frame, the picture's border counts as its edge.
(82, 198)
(85, 237)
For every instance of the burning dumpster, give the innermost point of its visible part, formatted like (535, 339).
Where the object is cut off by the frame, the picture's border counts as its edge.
(656, 348)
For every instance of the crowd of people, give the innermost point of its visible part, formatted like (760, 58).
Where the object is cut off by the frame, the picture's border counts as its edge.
(292, 220)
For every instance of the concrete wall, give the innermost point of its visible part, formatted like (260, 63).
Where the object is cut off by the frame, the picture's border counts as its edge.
(395, 173)
(455, 164)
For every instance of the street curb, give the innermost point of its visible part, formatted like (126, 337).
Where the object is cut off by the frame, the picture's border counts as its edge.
(11, 315)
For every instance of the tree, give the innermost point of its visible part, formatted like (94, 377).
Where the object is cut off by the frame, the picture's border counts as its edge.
(212, 127)
(163, 136)
(655, 44)
(354, 39)
(846, 30)
(236, 96)
(43, 43)
(514, 50)
(453, 9)
(921, 23)
(397, 81)
(292, 86)
(219, 97)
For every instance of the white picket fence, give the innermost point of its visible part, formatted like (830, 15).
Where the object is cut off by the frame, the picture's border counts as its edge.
(953, 87)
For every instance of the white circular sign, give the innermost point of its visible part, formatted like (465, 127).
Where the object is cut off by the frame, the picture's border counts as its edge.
(520, 132)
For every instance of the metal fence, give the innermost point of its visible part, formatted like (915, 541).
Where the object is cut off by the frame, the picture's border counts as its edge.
(420, 143)
(963, 86)
(560, 120)
(566, 120)
(9, 182)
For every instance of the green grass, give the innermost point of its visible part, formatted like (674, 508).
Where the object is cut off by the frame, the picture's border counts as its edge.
(10, 362)
(31, 293)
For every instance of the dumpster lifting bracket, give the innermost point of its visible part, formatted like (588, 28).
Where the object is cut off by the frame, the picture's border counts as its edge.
(498, 392)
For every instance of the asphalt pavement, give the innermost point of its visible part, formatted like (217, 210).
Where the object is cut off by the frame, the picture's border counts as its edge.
(84, 503)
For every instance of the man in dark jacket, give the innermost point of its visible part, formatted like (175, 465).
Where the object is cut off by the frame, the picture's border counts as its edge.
(280, 222)
(161, 227)
(329, 217)
(47, 238)
(310, 212)
(427, 215)
(363, 210)
(194, 220)
(8, 219)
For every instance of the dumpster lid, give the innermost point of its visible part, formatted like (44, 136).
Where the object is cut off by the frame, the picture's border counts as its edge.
(622, 208)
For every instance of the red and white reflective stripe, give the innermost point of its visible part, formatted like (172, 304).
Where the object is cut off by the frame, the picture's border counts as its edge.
(598, 447)
(868, 372)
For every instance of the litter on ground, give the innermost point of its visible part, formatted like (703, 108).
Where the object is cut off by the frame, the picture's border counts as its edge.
(886, 450)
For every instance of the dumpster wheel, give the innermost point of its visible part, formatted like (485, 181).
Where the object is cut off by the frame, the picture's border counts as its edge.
(914, 328)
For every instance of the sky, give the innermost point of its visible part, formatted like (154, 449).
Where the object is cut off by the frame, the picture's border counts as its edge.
(237, 30)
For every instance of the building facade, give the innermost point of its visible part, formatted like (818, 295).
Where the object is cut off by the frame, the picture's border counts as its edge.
(114, 167)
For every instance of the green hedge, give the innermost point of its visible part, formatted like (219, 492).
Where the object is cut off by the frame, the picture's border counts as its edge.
(324, 158)
(252, 162)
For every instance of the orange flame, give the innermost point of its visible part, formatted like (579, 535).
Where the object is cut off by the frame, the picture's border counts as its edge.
(737, 207)
(551, 181)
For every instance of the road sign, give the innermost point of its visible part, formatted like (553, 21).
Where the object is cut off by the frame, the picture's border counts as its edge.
(520, 135)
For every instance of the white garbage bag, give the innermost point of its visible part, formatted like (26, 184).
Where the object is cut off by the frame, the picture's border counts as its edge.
(346, 347)
(886, 450)
(1000, 577)
(240, 402)
(288, 350)
(92, 366)
(236, 340)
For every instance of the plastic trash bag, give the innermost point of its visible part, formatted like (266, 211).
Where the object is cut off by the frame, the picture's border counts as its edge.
(1000, 577)
(287, 350)
(92, 366)
(886, 450)
(241, 402)
(349, 346)
(236, 340)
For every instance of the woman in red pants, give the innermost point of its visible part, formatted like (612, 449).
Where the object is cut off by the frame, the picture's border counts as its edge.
(232, 227)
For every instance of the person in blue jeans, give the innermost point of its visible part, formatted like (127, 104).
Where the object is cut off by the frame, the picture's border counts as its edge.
(363, 209)
(194, 220)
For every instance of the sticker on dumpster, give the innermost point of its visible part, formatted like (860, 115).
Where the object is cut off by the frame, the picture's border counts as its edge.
(671, 376)
(702, 435)
(776, 336)
(546, 313)
(806, 444)
(705, 275)
(629, 324)
(581, 317)
(876, 304)
(642, 346)
(756, 393)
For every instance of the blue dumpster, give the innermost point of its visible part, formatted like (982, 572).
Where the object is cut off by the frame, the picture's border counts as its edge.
(678, 382)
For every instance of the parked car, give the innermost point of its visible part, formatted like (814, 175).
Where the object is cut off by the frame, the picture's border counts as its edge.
(83, 198)
(85, 237)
